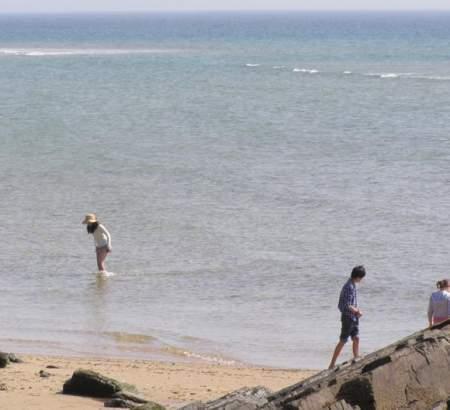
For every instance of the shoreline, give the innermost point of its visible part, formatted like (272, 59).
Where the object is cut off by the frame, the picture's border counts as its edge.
(135, 346)
(172, 384)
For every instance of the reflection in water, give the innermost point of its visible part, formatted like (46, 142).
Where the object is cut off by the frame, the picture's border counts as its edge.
(97, 303)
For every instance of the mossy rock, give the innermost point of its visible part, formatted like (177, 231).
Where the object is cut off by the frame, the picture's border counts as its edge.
(93, 384)
(4, 360)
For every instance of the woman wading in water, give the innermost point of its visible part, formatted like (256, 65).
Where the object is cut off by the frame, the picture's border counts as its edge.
(102, 239)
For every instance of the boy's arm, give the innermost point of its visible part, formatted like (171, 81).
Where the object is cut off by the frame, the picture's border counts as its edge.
(430, 313)
(348, 300)
(355, 310)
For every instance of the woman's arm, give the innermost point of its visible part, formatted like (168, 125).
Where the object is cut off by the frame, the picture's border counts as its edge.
(108, 238)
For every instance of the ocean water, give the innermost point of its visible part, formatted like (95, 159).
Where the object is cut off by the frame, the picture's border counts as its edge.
(243, 163)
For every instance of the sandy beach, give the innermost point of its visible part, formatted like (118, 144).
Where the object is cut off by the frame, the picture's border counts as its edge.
(170, 384)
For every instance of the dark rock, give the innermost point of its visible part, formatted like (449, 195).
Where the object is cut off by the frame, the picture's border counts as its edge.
(43, 373)
(358, 392)
(51, 366)
(196, 405)
(125, 395)
(3, 387)
(245, 399)
(410, 374)
(342, 405)
(4, 360)
(120, 403)
(124, 399)
(7, 358)
(92, 384)
(149, 406)
(14, 359)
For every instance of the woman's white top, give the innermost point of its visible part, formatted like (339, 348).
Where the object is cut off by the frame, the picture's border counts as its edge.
(439, 306)
(102, 237)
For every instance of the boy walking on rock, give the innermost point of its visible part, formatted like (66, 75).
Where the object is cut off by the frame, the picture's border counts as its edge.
(350, 314)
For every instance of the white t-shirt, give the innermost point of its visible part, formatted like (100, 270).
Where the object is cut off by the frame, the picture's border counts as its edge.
(439, 306)
(102, 237)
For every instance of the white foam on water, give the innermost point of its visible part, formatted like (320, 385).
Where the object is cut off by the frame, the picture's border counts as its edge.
(252, 65)
(415, 76)
(54, 52)
(347, 72)
(176, 351)
(105, 274)
(211, 359)
(389, 75)
(305, 70)
(431, 77)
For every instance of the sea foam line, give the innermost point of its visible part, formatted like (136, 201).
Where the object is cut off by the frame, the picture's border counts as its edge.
(42, 52)
(305, 70)
(389, 75)
(415, 76)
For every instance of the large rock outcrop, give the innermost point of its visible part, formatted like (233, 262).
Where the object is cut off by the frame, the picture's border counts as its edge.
(413, 373)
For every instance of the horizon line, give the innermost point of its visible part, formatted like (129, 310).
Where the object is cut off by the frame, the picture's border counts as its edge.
(174, 11)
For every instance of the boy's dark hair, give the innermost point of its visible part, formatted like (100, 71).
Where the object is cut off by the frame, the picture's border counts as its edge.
(92, 227)
(358, 272)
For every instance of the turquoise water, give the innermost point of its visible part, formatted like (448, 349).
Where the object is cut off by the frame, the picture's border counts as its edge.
(243, 163)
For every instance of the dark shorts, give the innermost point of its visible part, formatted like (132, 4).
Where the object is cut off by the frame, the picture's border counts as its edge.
(350, 328)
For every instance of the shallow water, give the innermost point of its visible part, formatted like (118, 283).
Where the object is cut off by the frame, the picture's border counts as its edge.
(244, 163)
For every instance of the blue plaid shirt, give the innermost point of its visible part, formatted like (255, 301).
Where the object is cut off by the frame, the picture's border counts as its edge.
(348, 298)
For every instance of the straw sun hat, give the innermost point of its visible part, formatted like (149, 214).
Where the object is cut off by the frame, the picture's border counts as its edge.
(90, 219)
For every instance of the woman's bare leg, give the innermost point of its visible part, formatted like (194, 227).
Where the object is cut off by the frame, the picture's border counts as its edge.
(101, 256)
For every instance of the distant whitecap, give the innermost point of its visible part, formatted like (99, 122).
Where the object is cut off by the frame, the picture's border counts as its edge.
(305, 70)
(434, 77)
(389, 75)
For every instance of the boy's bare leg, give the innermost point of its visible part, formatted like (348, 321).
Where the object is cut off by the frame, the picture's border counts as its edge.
(355, 347)
(337, 352)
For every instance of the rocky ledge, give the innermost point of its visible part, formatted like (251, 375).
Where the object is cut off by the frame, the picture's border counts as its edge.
(413, 373)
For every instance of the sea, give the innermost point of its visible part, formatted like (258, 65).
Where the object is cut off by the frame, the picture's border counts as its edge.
(243, 163)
